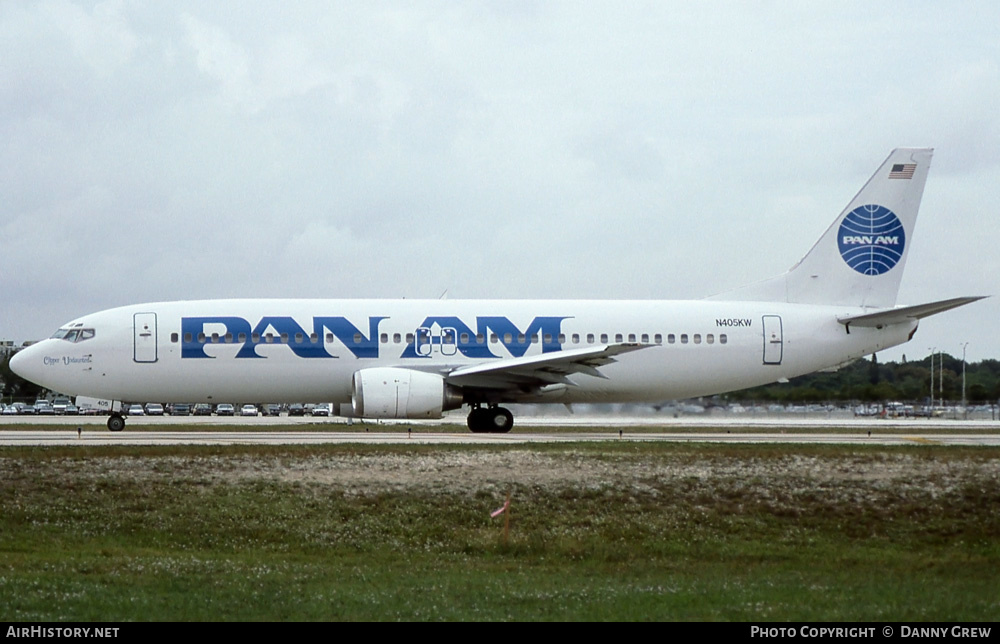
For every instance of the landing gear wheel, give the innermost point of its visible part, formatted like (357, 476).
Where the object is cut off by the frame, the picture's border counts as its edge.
(116, 422)
(500, 420)
(477, 420)
(495, 420)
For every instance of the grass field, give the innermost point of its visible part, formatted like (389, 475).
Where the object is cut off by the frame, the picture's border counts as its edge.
(616, 531)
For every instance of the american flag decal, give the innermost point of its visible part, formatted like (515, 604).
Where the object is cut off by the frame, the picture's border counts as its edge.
(902, 171)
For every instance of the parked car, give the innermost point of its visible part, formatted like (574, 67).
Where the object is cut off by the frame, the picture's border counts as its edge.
(135, 410)
(271, 410)
(321, 410)
(44, 408)
(248, 410)
(154, 409)
(225, 409)
(181, 409)
(296, 409)
(203, 409)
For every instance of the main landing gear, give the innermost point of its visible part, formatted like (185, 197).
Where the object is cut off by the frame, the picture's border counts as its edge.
(116, 422)
(490, 420)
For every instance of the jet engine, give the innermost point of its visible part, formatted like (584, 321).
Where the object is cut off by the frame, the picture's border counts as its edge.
(391, 392)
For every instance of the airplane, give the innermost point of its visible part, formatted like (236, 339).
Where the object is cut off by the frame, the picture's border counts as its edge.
(417, 359)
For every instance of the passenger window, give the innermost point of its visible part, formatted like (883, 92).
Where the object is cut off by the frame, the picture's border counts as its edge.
(618, 337)
(671, 338)
(357, 338)
(658, 339)
(396, 338)
(631, 337)
(562, 338)
(284, 338)
(187, 338)
(697, 338)
(710, 338)
(173, 337)
(684, 338)
(590, 338)
(722, 338)
(409, 338)
(384, 338)
(645, 338)
(464, 338)
(576, 338)
(548, 338)
(242, 337)
(604, 338)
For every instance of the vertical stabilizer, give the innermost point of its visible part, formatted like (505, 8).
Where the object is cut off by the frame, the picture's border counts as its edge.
(859, 260)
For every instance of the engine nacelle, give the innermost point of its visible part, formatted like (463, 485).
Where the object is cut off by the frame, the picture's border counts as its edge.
(390, 392)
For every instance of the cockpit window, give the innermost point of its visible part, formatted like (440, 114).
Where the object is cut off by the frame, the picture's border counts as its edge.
(73, 335)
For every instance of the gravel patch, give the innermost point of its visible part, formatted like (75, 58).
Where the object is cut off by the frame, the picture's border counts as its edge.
(470, 471)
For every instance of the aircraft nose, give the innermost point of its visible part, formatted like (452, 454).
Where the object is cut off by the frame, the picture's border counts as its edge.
(27, 363)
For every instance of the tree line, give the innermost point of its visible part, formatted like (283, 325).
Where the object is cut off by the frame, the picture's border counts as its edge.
(872, 381)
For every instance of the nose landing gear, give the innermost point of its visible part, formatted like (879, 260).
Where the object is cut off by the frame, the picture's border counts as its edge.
(116, 422)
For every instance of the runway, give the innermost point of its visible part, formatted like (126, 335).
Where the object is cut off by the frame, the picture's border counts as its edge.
(99, 437)
(229, 430)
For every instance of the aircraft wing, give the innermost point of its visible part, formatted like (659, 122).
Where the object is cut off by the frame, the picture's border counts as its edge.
(904, 313)
(539, 371)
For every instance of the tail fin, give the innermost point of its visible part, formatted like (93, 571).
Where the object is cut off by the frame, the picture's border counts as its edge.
(859, 260)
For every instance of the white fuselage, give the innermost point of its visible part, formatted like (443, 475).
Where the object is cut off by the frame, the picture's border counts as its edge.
(263, 351)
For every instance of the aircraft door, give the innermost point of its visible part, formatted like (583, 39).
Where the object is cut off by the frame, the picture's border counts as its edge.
(449, 341)
(422, 344)
(773, 343)
(444, 342)
(144, 328)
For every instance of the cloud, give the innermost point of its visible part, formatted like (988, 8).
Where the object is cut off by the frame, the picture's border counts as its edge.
(541, 150)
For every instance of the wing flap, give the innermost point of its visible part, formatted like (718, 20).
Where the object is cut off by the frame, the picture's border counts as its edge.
(541, 370)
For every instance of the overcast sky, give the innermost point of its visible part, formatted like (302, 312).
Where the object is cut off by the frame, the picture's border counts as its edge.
(188, 150)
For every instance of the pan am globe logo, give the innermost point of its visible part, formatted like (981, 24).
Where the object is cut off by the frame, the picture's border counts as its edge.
(871, 239)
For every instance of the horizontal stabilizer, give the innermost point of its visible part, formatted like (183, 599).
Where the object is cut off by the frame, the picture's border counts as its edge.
(906, 313)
